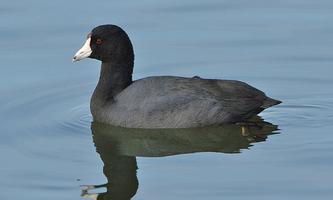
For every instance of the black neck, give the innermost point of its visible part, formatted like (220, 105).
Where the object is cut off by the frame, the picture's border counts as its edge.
(114, 77)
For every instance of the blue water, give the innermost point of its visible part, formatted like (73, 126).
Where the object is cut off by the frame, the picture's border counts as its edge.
(284, 48)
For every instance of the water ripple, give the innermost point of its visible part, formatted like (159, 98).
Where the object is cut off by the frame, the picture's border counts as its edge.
(67, 108)
(77, 119)
(310, 113)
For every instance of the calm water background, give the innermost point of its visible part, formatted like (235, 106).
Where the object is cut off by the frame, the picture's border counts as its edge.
(282, 47)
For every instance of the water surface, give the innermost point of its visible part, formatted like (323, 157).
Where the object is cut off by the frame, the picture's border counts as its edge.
(281, 47)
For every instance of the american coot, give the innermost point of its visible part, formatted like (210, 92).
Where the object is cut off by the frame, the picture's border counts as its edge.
(161, 101)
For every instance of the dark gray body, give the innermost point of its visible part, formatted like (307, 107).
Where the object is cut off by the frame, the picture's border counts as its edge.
(161, 101)
(178, 102)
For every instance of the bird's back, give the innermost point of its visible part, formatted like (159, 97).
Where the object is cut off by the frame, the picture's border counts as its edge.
(177, 102)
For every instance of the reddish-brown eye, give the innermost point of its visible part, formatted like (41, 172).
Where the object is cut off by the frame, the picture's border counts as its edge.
(99, 41)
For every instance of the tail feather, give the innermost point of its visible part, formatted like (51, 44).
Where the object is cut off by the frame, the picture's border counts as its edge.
(269, 102)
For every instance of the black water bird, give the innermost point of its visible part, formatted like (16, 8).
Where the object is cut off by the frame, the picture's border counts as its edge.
(161, 101)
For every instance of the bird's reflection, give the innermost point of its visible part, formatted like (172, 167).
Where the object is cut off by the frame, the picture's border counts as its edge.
(119, 147)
